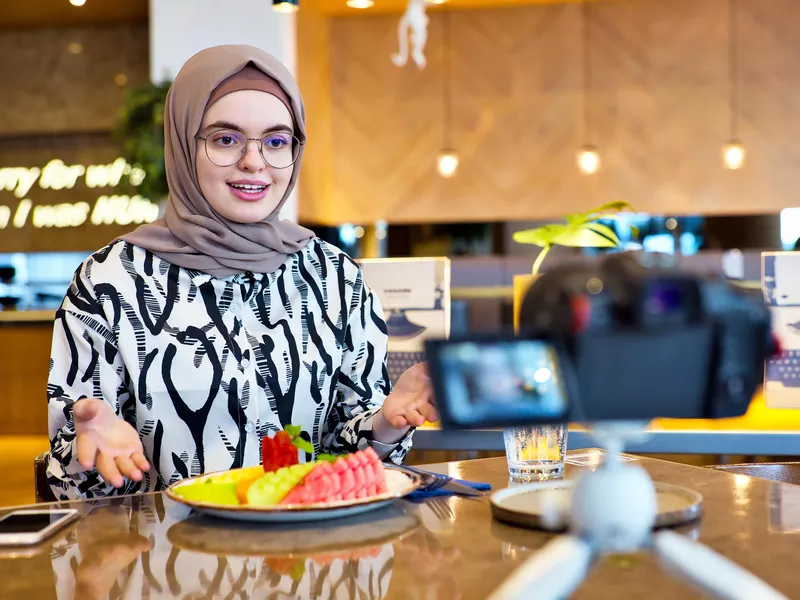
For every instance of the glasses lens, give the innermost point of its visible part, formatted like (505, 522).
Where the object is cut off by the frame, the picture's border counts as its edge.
(225, 147)
(280, 150)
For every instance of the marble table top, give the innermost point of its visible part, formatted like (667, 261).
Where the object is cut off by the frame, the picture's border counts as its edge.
(147, 546)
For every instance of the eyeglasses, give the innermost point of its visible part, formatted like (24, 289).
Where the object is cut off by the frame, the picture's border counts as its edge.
(225, 147)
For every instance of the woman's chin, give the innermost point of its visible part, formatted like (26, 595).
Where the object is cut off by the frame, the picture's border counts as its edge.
(249, 213)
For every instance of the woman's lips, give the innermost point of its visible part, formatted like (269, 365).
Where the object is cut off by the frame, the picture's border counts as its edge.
(249, 192)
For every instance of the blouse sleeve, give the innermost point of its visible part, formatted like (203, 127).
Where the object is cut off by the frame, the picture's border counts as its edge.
(84, 363)
(363, 381)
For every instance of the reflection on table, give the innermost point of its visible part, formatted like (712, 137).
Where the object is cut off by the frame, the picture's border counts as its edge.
(441, 548)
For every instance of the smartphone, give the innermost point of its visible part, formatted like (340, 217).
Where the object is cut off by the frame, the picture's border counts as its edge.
(32, 526)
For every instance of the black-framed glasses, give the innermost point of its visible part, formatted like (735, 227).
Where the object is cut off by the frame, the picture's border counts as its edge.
(226, 147)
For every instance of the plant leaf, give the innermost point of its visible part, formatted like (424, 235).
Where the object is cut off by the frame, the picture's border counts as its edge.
(331, 458)
(619, 218)
(541, 236)
(584, 238)
(293, 430)
(604, 230)
(576, 218)
(601, 212)
(616, 206)
(303, 445)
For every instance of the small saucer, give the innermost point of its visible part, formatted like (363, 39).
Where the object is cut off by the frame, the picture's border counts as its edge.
(546, 505)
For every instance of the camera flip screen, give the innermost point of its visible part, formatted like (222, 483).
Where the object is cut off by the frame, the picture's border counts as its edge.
(482, 382)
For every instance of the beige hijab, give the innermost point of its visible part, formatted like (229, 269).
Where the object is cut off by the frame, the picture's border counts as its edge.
(192, 234)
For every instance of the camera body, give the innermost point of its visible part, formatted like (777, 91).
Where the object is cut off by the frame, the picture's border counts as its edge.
(628, 338)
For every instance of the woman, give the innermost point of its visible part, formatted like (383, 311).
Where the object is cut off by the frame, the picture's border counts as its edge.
(180, 345)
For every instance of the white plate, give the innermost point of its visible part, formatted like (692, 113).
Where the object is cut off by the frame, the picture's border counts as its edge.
(399, 484)
(545, 505)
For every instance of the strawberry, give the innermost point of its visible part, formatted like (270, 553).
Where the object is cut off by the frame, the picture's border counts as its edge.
(281, 450)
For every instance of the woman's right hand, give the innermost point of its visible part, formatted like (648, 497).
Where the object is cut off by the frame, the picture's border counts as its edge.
(106, 442)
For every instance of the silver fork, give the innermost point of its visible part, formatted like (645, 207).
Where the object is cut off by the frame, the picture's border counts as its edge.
(430, 481)
(440, 508)
(434, 481)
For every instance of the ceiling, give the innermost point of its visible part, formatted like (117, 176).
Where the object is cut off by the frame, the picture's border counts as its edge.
(16, 14)
(54, 13)
(340, 8)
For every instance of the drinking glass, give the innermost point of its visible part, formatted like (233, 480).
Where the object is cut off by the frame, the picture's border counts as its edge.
(536, 453)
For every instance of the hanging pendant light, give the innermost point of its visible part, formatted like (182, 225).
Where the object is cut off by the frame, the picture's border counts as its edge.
(286, 6)
(733, 153)
(588, 157)
(447, 163)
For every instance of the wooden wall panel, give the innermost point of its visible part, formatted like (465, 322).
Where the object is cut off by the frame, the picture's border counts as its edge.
(24, 369)
(659, 113)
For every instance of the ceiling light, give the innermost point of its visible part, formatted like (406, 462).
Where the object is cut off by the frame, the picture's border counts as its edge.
(733, 154)
(360, 3)
(448, 163)
(77, 2)
(436, 1)
(286, 6)
(588, 160)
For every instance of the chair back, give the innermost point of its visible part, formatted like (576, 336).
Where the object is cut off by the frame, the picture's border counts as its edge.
(41, 488)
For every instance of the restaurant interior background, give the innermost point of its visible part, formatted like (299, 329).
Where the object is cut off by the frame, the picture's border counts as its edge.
(514, 88)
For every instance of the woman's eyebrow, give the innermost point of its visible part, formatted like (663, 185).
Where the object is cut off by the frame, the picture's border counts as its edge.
(235, 127)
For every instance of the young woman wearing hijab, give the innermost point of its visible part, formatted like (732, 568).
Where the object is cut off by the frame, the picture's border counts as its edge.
(180, 345)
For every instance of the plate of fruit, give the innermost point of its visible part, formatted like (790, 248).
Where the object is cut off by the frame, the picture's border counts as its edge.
(283, 489)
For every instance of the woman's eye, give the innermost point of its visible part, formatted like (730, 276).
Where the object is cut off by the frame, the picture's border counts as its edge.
(225, 140)
(276, 143)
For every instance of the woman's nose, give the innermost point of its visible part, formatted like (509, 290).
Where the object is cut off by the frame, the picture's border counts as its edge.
(251, 159)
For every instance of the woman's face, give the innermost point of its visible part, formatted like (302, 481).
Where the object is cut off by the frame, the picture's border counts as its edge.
(248, 190)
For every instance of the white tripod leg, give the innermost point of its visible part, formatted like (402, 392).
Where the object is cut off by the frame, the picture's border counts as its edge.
(710, 571)
(552, 573)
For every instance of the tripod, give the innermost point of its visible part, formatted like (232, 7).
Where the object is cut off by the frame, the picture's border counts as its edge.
(613, 511)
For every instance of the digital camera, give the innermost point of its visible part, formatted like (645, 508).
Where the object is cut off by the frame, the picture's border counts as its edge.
(629, 338)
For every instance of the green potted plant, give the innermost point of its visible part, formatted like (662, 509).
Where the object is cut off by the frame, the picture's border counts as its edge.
(140, 129)
(581, 230)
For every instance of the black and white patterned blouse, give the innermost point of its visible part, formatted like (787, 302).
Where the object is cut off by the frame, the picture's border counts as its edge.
(204, 367)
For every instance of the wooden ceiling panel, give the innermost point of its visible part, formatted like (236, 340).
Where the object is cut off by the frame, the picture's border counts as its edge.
(15, 14)
(339, 7)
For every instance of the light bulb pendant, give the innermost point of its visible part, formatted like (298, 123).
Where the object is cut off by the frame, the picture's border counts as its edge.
(447, 163)
(733, 155)
(588, 159)
(286, 6)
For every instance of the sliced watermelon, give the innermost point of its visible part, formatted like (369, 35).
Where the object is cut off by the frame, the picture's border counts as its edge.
(359, 475)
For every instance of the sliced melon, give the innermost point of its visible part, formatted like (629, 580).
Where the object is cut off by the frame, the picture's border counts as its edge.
(211, 493)
(237, 475)
(273, 487)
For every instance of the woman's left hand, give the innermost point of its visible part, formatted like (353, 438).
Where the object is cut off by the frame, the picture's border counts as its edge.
(411, 402)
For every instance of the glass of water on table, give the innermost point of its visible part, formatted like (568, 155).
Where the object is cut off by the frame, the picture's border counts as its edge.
(536, 453)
